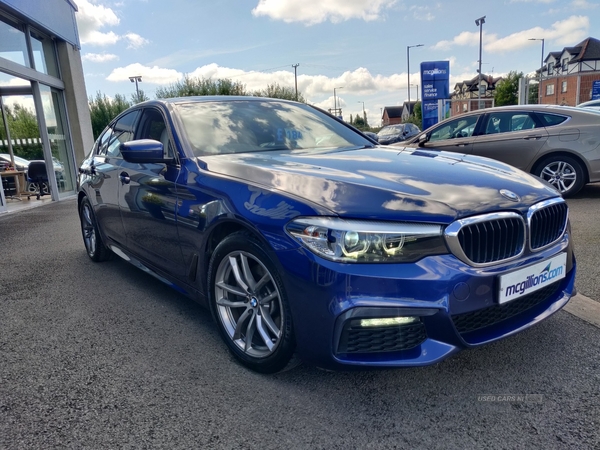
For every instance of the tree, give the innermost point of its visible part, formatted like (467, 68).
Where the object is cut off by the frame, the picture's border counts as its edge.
(534, 94)
(507, 90)
(24, 132)
(139, 97)
(188, 87)
(417, 115)
(104, 109)
(276, 91)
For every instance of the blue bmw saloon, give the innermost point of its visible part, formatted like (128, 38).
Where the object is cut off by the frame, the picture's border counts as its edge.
(308, 242)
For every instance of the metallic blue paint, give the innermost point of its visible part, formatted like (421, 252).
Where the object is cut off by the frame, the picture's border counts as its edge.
(173, 215)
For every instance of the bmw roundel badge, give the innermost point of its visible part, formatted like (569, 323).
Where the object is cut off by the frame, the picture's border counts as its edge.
(509, 195)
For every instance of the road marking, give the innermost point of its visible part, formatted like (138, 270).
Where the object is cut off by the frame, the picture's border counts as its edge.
(585, 308)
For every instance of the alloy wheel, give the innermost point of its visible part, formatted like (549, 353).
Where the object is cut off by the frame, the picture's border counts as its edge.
(249, 305)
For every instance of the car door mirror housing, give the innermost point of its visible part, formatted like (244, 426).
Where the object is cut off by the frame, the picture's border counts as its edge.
(144, 151)
(423, 139)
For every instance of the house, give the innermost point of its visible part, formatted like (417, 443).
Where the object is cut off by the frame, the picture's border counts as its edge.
(465, 96)
(408, 110)
(568, 75)
(391, 115)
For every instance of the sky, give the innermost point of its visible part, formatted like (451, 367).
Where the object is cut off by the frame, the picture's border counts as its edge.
(357, 47)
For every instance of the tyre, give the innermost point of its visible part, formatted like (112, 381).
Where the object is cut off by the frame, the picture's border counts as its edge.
(563, 172)
(92, 240)
(250, 306)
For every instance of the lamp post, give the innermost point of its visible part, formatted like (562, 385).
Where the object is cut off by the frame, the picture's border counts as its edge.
(295, 66)
(541, 68)
(479, 22)
(364, 115)
(136, 79)
(335, 109)
(408, 47)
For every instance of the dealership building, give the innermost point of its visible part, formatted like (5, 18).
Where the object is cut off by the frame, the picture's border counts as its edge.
(41, 77)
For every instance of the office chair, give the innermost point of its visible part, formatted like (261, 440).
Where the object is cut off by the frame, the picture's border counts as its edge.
(38, 177)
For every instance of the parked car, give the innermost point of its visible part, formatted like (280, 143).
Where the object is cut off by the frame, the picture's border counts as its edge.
(594, 104)
(371, 135)
(560, 144)
(397, 133)
(309, 242)
(20, 163)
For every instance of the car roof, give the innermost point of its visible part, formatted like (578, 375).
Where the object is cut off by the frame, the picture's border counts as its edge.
(210, 98)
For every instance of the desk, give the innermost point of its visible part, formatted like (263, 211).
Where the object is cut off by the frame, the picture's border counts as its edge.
(20, 183)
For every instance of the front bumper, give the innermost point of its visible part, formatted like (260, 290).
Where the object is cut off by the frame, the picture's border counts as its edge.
(454, 304)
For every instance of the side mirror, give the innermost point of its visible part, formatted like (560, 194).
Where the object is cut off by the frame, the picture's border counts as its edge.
(142, 151)
(423, 139)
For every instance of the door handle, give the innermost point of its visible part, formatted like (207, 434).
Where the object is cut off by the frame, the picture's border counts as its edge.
(532, 138)
(124, 176)
(460, 145)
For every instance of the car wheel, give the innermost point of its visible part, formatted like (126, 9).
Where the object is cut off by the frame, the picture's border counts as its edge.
(563, 172)
(250, 306)
(92, 240)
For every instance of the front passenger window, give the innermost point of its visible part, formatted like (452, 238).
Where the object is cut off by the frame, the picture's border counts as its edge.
(459, 128)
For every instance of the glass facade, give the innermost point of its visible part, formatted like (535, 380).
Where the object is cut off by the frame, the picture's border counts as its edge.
(34, 122)
(13, 44)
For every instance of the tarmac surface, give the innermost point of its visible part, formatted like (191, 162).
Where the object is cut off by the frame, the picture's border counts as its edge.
(96, 356)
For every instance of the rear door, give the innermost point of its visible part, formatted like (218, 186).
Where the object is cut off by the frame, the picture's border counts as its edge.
(513, 137)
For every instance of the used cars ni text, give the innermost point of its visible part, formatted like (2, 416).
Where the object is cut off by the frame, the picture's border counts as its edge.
(307, 241)
(560, 144)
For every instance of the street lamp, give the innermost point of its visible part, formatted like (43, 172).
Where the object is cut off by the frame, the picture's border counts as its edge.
(479, 22)
(541, 67)
(408, 47)
(364, 115)
(136, 79)
(335, 101)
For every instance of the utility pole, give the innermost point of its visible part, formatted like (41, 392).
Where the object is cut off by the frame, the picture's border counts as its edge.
(295, 66)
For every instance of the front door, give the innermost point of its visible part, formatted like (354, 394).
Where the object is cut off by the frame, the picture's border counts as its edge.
(453, 136)
(148, 200)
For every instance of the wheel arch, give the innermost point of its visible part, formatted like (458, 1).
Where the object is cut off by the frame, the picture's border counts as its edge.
(576, 156)
(218, 233)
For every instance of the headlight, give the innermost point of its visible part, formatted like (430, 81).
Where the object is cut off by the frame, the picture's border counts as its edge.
(367, 241)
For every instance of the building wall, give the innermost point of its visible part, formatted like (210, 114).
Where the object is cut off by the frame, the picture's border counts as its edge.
(78, 111)
(569, 90)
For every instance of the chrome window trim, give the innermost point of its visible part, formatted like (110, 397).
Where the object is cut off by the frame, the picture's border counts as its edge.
(452, 230)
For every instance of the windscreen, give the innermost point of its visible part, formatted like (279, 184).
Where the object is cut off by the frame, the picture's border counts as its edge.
(240, 126)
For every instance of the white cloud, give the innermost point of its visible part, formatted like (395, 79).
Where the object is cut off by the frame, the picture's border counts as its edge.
(311, 12)
(92, 17)
(135, 40)
(583, 4)
(156, 75)
(564, 32)
(99, 57)
(422, 13)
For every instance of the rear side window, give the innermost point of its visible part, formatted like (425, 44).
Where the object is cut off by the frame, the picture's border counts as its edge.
(509, 121)
(550, 120)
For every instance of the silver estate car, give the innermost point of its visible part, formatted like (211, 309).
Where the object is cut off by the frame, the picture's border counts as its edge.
(560, 144)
